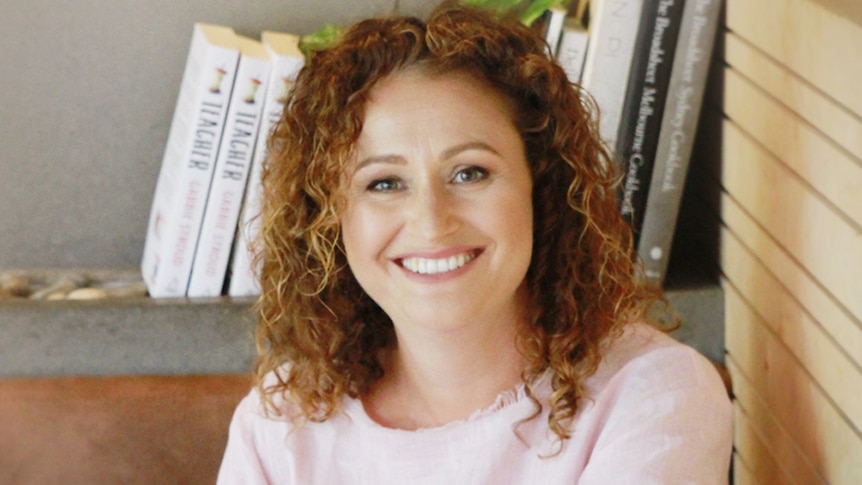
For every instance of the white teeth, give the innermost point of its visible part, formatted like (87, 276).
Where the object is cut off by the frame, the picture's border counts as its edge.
(434, 266)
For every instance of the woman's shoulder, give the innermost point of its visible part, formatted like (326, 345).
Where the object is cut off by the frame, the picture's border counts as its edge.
(652, 361)
(657, 412)
(268, 401)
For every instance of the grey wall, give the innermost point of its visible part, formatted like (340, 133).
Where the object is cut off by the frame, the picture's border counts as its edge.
(88, 89)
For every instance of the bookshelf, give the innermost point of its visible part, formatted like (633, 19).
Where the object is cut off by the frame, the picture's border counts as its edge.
(180, 336)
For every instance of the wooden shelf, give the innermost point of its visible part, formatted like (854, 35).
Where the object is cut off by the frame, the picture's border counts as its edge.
(136, 336)
(145, 336)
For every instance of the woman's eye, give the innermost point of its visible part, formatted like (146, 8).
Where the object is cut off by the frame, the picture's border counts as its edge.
(470, 174)
(385, 185)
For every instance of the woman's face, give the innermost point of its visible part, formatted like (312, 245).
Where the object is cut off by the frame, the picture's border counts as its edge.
(439, 219)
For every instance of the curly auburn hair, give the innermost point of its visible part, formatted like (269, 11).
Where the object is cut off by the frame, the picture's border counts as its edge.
(314, 318)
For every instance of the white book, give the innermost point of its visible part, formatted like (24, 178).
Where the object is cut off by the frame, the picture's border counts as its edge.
(286, 60)
(613, 30)
(189, 159)
(552, 27)
(231, 171)
(573, 49)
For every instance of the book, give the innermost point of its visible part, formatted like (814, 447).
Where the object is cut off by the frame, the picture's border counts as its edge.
(550, 24)
(642, 111)
(286, 60)
(613, 29)
(688, 77)
(189, 159)
(227, 189)
(573, 48)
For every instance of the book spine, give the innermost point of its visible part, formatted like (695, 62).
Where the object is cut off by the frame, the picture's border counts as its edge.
(231, 173)
(677, 133)
(613, 28)
(642, 112)
(285, 67)
(553, 28)
(187, 165)
(573, 50)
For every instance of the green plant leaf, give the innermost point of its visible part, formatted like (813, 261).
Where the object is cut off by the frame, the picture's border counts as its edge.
(497, 5)
(536, 8)
(320, 39)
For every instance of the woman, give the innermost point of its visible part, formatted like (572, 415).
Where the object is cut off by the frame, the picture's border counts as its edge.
(448, 292)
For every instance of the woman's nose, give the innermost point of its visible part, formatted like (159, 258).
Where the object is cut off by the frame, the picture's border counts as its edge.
(432, 212)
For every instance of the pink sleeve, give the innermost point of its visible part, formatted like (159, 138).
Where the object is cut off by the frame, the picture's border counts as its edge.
(666, 419)
(241, 462)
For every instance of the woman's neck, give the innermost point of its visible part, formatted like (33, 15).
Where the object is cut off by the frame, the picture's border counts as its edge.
(432, 378)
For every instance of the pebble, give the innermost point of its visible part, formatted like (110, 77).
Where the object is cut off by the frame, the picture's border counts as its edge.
(70, 285)
(87, 294)
(62, 286)
(14, 285)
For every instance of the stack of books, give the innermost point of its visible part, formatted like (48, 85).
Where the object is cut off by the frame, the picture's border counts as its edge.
(232, 92)
(645, 62)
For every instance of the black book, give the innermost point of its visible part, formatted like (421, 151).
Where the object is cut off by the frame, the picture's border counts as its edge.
(646, 92)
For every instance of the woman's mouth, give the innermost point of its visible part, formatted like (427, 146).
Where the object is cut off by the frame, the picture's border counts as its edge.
(438, 265)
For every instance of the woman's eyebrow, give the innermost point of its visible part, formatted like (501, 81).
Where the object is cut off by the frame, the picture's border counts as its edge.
(390, 159)
(470, 145)
(447, 153)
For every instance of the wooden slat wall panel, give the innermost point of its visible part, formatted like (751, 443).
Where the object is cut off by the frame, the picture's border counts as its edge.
(834, 120)
(833, 369)
(796, 400)
(785, 157)
(836, 320)
(754, 276)
(829, 170)
(799, 220)
(795, 438)
(816, 43)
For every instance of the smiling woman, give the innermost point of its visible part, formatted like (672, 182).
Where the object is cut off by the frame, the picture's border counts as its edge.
(449, 294)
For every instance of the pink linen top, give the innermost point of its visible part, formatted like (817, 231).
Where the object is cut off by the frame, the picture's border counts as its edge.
(657, 413)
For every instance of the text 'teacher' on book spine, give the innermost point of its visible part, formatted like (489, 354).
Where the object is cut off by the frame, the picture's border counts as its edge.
(286, 60)
(231, 171)
(189, 160)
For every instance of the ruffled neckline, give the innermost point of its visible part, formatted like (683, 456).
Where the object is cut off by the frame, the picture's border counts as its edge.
(355, 409)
